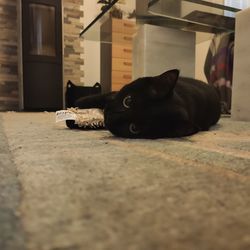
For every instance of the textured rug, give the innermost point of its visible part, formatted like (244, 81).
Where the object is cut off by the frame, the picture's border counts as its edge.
(65, 189)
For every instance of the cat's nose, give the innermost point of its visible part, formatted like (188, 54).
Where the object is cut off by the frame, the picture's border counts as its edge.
(111, 119)
(106, 118)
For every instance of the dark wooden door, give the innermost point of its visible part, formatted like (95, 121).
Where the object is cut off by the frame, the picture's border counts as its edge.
(42, 54)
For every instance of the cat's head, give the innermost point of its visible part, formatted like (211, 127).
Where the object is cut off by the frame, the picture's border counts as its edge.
(142, 108)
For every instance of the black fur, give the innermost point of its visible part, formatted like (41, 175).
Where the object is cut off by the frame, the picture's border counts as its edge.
(154, 107)
(73, 92)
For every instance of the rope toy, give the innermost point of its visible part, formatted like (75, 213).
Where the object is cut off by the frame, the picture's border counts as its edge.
(81, 118)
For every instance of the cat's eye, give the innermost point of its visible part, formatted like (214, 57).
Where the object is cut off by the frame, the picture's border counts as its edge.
(133, 129)
(127, 101)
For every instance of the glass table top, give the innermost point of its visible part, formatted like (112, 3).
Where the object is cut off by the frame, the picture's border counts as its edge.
(197, 15)
(211, 16)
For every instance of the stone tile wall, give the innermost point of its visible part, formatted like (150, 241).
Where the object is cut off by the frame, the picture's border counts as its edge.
(73, 49)
(8, 55)
(73, 45)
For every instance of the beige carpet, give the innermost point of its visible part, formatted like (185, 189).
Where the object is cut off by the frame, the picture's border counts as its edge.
(87, 190)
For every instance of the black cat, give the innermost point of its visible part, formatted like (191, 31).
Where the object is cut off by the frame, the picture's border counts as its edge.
(154, 107)
(73, 92)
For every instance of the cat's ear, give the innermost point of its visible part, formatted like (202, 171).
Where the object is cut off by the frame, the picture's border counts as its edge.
(163, 84)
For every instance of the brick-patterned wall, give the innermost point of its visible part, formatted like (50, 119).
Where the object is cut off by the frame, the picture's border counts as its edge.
(8, 55)
(73, 45)
(73, 49)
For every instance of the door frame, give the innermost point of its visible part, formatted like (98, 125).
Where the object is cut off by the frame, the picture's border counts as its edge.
(20, 54)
